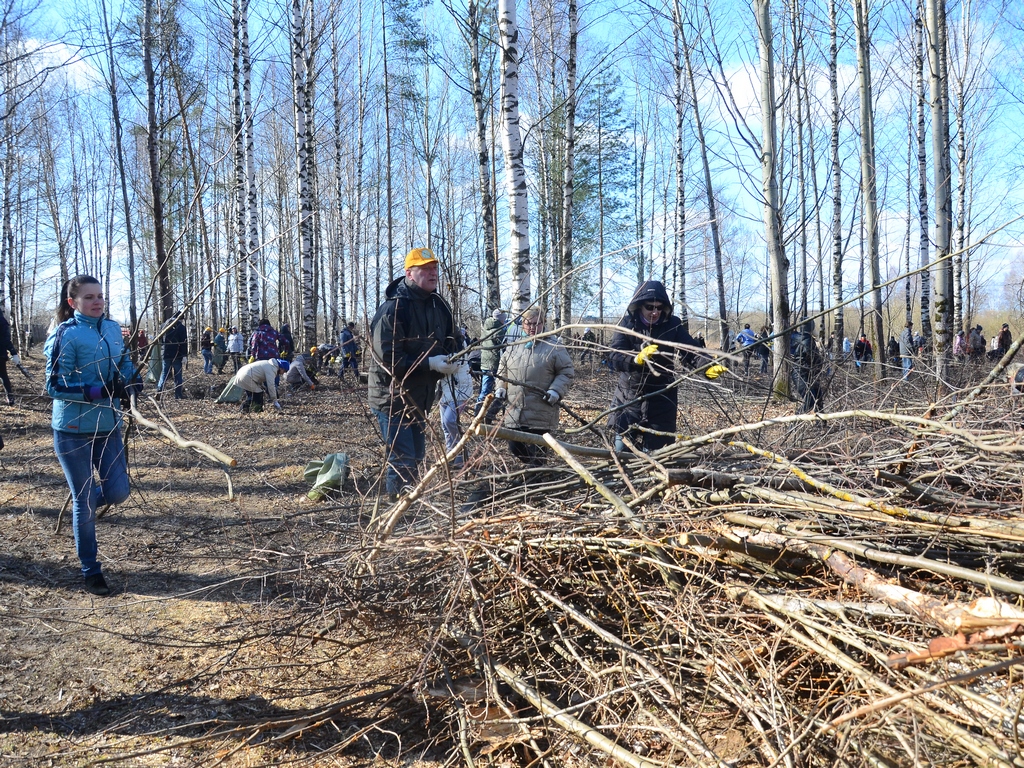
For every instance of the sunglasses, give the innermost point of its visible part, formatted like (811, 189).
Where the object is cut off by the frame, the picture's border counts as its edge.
(654, 307)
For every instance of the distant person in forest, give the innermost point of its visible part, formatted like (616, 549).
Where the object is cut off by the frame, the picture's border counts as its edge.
(960, 346)
(220, 350)
(1004, 340)
(976, 344)
(143, 344)
(746, 339)
(808, 369)
(285, 342)
(236, 346)
(174, 351)
(643, 351)
(349, 350)
(762, 350)
(7, 348)
(413, 335)
(862, 351)
(264, 341)
(892, 350)
(492, 342)
(588, 341)
(89, 372)
(206, 349)
(906, 349)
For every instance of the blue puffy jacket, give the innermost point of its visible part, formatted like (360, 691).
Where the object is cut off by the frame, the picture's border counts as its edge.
(84, 353)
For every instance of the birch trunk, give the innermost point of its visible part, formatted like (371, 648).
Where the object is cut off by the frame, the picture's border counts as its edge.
(241, 251)
(300, 102)
(680, 207)
(515, 172)
(939, 95)
(837, 178)
(251, 203)
(777, 264)
(570, 164)
(387, 151)
(924, 247)
(868, 179)
(492, 288)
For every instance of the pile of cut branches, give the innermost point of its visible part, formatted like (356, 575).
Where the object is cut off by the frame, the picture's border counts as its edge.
(735, 600)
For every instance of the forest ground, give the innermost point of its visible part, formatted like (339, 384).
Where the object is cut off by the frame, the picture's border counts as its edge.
(226, 613)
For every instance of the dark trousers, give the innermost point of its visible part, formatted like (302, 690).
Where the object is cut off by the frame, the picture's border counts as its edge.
(3, 375)
(531, 455)
(253, 402)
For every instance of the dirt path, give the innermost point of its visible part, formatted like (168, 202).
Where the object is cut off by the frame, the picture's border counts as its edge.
(213, 617)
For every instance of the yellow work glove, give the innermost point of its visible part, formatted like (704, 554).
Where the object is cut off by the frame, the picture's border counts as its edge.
(252, 359)
(645, 354)
(715, 371)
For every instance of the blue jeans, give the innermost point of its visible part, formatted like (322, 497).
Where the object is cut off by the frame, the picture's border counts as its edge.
(908, 366)
(486, 385)
(207, 360)
(78, 454)
(175, 366)
(406, 448)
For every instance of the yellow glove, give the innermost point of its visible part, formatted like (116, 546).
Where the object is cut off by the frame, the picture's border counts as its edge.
(252, 359)
(715, 371)
(645, 354)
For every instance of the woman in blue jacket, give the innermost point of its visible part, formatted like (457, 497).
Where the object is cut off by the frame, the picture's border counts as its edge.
(88, 372)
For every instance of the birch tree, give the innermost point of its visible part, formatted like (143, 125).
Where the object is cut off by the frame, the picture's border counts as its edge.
(304, 191)
(515, 171)
(570, 164)
(939, 101)
(924, 246)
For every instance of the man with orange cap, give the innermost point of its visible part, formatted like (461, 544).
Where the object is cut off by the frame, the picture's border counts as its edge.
(413, 335)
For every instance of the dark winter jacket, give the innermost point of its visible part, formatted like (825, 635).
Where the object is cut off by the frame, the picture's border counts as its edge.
(862, 350)
(1004, 340)
(491, 341)
(285, 342)
(409, 327)
(206, 340)
(807, 359)
(6, 344)
(175, 341)
(657, 411)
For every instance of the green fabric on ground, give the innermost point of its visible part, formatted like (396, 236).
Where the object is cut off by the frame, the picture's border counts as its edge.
(326, 475)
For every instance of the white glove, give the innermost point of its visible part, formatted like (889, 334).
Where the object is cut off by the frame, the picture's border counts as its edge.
(16, 359)
(500, 393)
(277, 405)
(440, 364)
(551, 397)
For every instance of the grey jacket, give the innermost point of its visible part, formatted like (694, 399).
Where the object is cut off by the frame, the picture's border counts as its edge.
(541, 365)
(907, 343)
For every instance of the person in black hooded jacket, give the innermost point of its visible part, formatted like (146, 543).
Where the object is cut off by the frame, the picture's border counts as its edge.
(645, 373)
